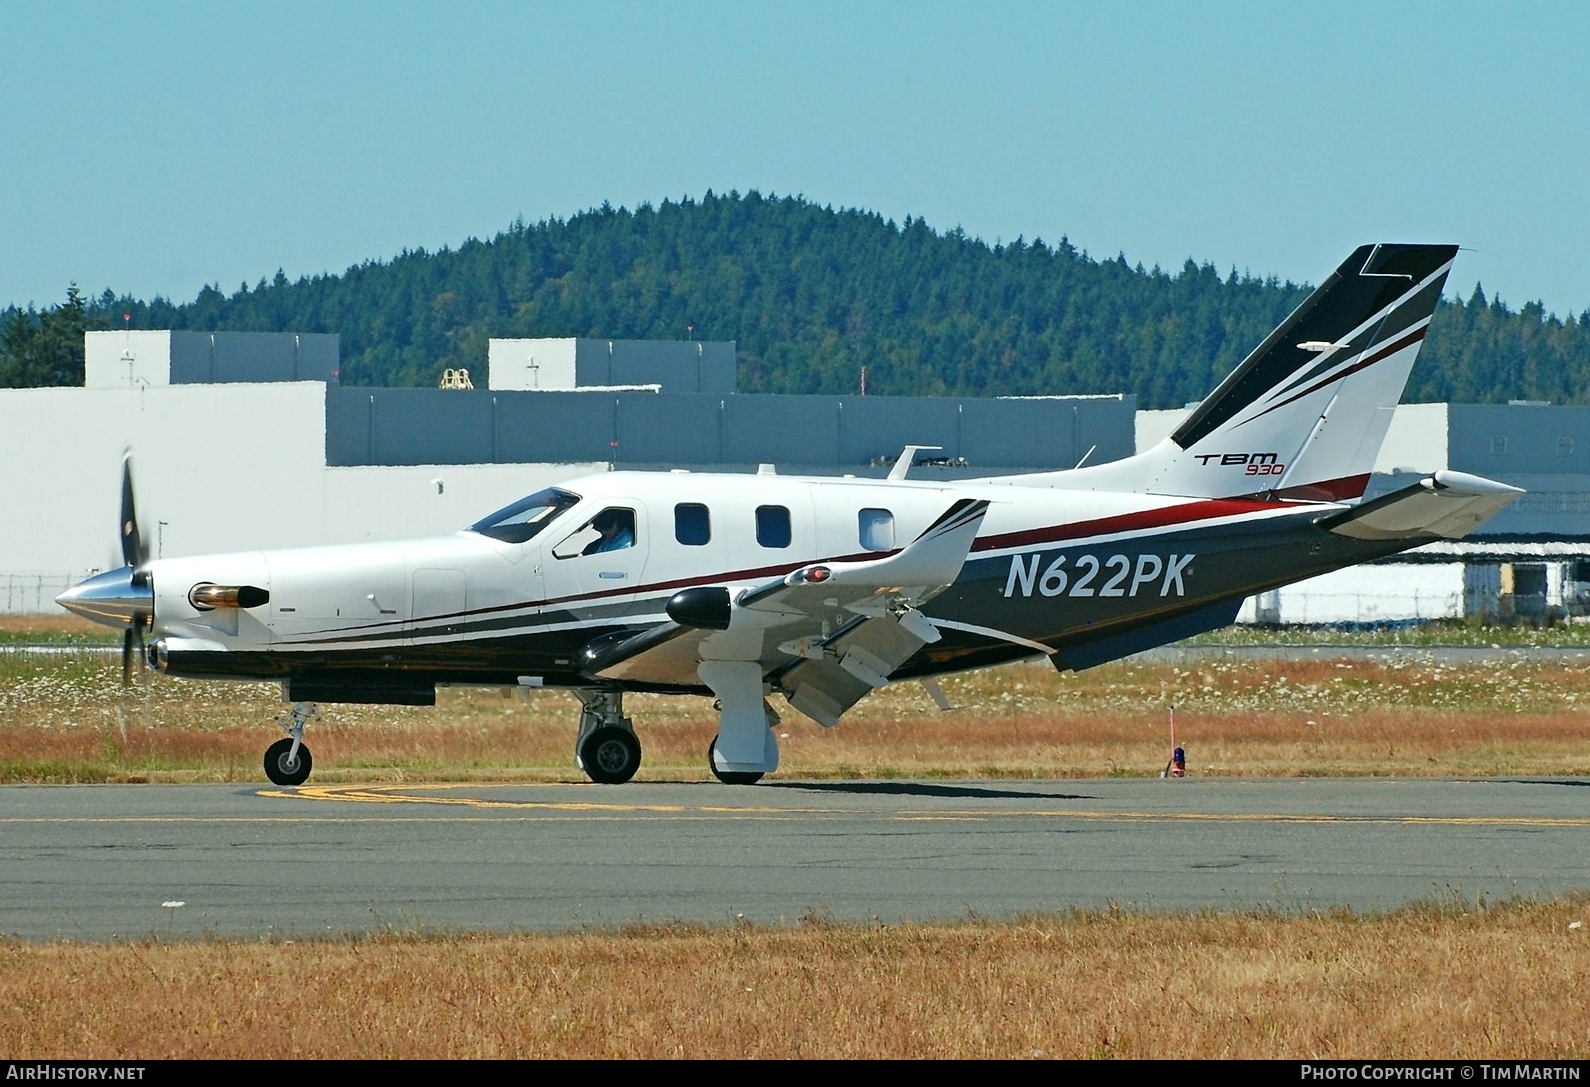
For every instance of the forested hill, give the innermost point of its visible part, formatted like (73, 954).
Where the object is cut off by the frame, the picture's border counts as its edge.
(811, 295)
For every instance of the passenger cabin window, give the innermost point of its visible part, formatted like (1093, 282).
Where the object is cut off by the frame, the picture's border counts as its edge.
(877, 529)
(772, 526)
(611, 530)
(692, 524)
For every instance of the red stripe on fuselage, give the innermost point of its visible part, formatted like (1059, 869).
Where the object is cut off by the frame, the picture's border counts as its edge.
(1162, 517)
(1325, 490)
(1329, 490)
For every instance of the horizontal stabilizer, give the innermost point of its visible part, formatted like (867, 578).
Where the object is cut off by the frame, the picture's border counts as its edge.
(1447, 505)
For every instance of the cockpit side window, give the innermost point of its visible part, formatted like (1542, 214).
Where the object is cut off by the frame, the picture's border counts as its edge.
(526, 517)
(611, 530)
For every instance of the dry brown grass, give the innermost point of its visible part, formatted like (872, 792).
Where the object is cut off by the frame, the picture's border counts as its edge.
(65, 718)
(60, 623)
(1422, 983)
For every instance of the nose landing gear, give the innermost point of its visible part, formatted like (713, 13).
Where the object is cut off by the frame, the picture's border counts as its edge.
(287, 761)
(607, 748)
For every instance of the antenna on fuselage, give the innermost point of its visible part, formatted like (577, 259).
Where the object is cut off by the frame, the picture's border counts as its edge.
(903, 464)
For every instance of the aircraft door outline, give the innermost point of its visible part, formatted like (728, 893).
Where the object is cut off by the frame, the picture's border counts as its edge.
(605, 555)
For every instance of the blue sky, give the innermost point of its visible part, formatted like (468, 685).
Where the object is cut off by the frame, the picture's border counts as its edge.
(157, 147)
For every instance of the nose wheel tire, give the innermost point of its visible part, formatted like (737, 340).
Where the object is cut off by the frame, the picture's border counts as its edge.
(610, 755)
(730, 777)
(284, 772)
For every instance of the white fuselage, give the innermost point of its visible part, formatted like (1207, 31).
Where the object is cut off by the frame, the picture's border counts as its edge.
(471, 608)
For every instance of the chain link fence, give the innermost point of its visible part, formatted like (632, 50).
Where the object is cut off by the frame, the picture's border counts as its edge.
(34, 594)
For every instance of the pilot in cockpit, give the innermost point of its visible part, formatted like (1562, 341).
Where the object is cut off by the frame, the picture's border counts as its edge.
(617, 528)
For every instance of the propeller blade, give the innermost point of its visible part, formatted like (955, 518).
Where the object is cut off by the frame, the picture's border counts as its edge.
(127, 639)
(134, 549)
(140, 624)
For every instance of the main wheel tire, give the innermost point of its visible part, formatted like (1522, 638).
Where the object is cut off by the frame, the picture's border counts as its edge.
(730, 777)
(282, 772)
(610, 755)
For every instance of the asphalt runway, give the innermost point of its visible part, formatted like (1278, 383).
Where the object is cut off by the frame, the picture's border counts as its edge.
(110, 862)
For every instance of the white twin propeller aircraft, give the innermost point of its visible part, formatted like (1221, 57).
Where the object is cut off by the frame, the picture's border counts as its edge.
(822, 590)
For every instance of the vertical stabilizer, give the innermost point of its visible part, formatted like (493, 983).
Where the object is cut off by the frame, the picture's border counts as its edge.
(1303, 416)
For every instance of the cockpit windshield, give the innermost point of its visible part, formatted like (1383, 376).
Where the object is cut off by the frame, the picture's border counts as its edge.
(526, 517)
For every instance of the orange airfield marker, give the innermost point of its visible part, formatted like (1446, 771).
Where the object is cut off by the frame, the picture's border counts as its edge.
(1177, 766)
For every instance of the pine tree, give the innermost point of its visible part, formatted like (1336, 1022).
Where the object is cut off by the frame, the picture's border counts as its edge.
(38, 349)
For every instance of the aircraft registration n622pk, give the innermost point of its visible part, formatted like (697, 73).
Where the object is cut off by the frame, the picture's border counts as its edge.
(822, 590)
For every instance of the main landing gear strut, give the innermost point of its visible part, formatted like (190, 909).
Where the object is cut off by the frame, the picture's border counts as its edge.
(287, 761)
(746, 746)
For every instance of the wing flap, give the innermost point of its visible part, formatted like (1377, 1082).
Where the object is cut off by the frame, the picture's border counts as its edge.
(1446, 505)
(839, 671)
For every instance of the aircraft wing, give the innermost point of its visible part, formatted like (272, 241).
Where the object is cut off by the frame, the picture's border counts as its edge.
(920, 571)
(828, 633)
(1446, 505)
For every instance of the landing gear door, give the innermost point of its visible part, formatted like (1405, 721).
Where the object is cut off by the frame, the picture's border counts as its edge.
(596, 570)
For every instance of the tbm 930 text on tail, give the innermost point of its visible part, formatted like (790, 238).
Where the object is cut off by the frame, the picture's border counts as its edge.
(821, 590)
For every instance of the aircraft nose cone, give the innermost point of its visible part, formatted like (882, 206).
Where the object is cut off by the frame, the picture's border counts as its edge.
(112, 598)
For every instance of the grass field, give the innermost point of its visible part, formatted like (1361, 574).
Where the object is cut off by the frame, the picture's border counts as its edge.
(1425, 982)
(1441, 980)
(64, 717)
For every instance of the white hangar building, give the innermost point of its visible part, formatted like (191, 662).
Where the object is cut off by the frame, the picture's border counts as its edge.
(247, 440)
